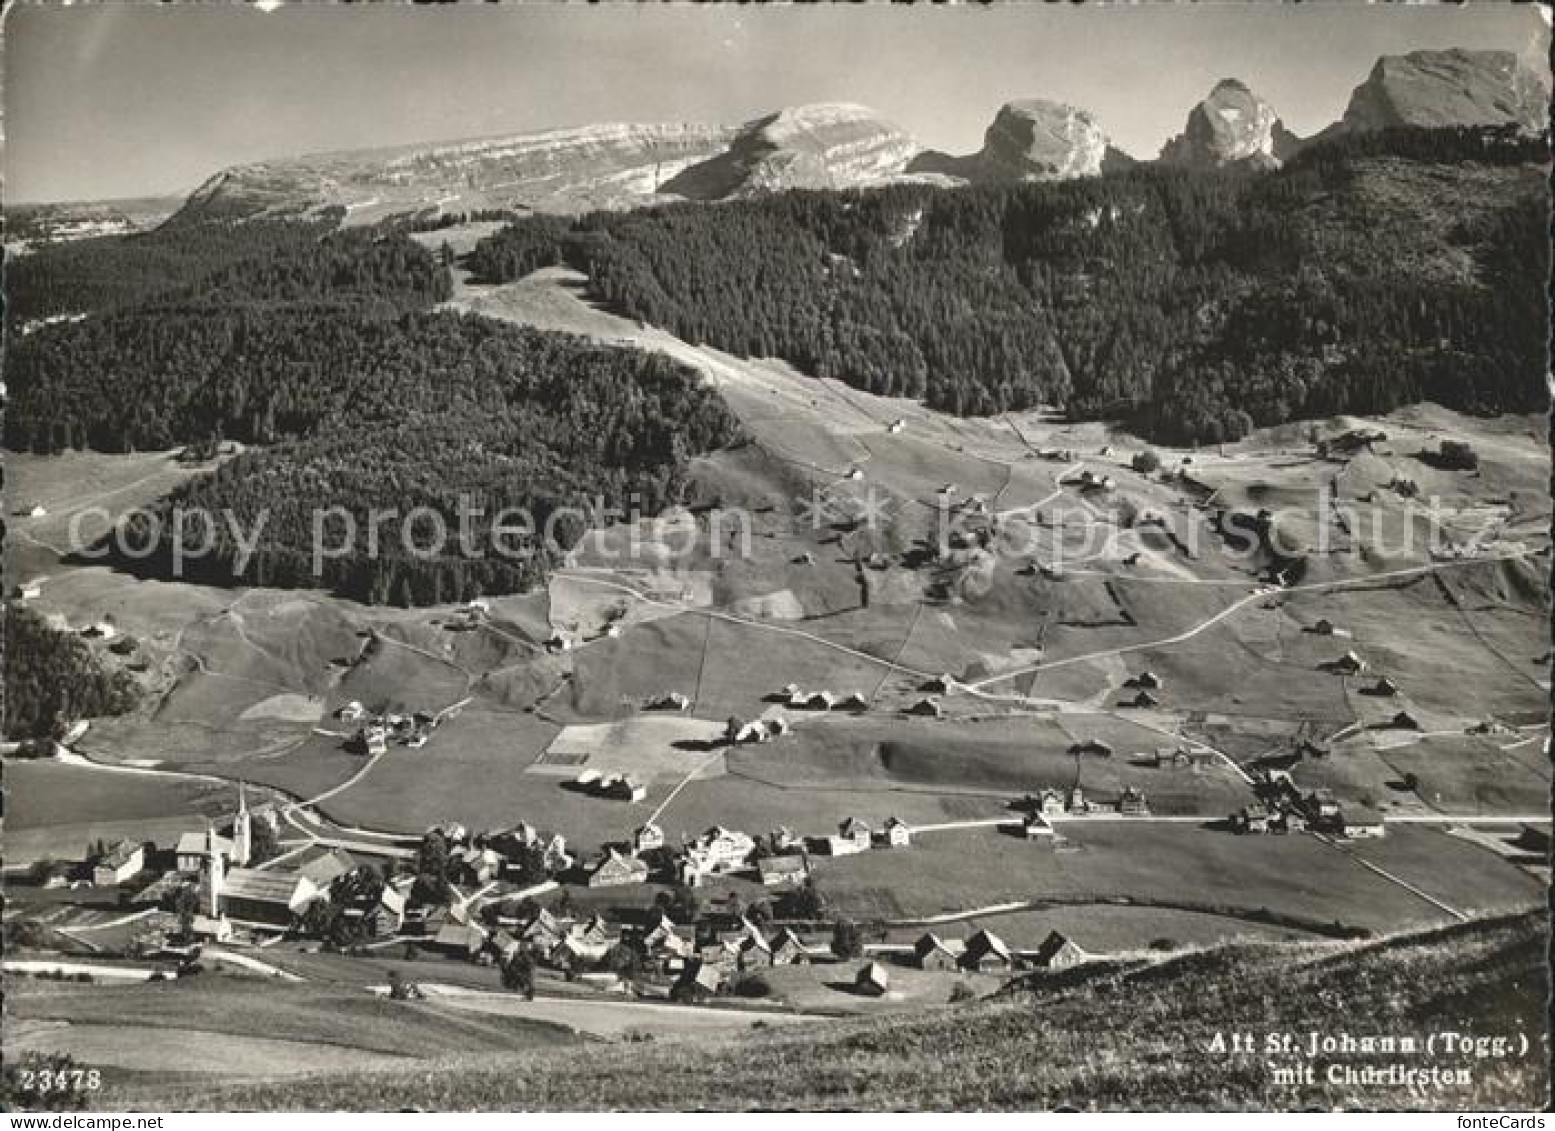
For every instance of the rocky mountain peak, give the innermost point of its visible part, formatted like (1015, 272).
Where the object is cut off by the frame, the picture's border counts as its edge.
(1232, 125)
(1038, 140)
(1453, 87)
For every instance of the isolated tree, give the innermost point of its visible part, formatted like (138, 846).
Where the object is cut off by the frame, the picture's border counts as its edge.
(518, 973)
(846, 939)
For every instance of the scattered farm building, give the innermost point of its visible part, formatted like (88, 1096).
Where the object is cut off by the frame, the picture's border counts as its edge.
(777, 871)
(872, 978)
(618, 870)
(1362, 824)
(987, 953)
(648, 838)
(669, 701)
(122, 862)
(926, 708)
(931, 952)
(897, 833)
(1058, 952)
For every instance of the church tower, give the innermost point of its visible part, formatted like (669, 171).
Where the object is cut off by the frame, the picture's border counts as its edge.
(215, 873)
(242, 832)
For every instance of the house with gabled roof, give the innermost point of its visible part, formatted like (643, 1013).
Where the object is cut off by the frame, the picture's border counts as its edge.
(616, 869)
(986, 953)
(897, 833)
(925, 708)
(698, 980)
(123, 861)
(1058, 952)
(648, 838)
(786, 948)
(776, 871)
(931, 952)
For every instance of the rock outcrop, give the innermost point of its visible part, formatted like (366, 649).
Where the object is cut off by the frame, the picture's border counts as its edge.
(1233, 126)
(821, 146)
(1038, 140)
(1454, 87)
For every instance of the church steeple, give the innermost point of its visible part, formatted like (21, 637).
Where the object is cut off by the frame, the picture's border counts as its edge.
(242, 831)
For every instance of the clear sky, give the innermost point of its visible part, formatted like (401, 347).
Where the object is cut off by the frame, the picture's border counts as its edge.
(112, 100)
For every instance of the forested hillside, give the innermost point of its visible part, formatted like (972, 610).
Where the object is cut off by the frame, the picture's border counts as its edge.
(320, 348)
(427, 410)
(1369, 273)
(60, 680)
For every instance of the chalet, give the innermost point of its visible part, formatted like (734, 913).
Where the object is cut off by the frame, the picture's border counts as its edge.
(856, 831)
(942, 684)
(777, 871)
(897, 833)
(719, 851)
(1253, 818)
(542, 932)
(931, 952)
(625, 788)
(670, 701)
(1362, 824)
(926, 708)
(593, 931)
(787, 950)
(1320, 805)
(464, 940)
(872, 978)
(753, 952)
(123, 861)
(751, 732)
(1059, 953)
(1347, 664)
(648, 838)
(1036, 826)
(574, 953)
(1132, 803)
(617, 870)
(272, 898)
(193, 850)
(986, 953)
(556, 857)
(662, 940)
(1052, 804)
(1404, 721)
(1384, 687)
(698, 980)
(504, 946)
(722, 954)
(323, 866)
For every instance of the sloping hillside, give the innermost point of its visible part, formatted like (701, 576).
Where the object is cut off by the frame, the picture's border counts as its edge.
(1136, 1037)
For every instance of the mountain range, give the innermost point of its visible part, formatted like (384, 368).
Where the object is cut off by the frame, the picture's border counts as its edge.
(843, 145)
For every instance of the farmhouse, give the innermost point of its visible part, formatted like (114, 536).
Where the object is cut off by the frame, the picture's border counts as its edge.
(1052, 803)
(351, 712)
(669, 701)
(1253, 818)
(662, 941)
(1347, 664)
(931, 952)
(753, 952)
(787, 950)
(322, 865)
(776, 871)
(1404, 721)
(1325, 627)
(193, 848)
(542, 932)
(699, 979)
(784, 838)
(464, 940)
(121, 862)
(1194, 759)
(1142, 699)
(719, 851)
(648, 838)
(853, 701)
(556, 857)
(872, 978)
(986, 953)
(857, 832)
(270, 898)
(749, 732)
(30, 590)
(897, 833)
(1146, 679)
(1132, 803)
(1036, 825)
(625, 788)
(1320, 805)
(927, 708)
(1362, 824)
(617, 870)
(1059, 953)
(1384, 687)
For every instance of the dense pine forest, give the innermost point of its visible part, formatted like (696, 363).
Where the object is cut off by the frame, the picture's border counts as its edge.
(320, 349)
(59, 682)
(1371, 272)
